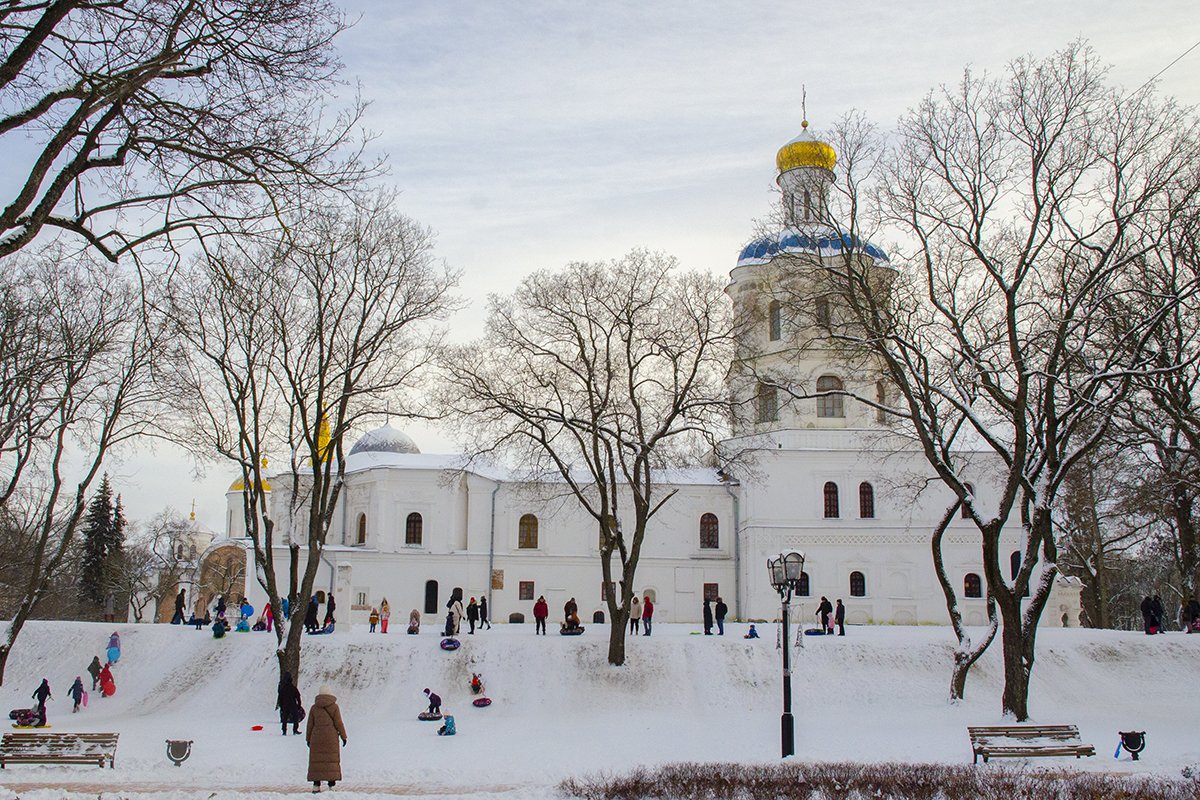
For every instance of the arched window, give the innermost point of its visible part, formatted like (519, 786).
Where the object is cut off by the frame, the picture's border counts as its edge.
(1014, 563)
(804, 592)
(413, 529)
(821, 307)
(775, 320)
(768, 403)
(362, 529)
(431, 597)
(866, 500)
(972, 586)
(709, 532)
(527, 532)
(964, 512)
(831, 501)
(831, 405)
(858, 584)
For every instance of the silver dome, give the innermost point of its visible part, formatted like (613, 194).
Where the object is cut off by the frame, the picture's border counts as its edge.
(385, 440)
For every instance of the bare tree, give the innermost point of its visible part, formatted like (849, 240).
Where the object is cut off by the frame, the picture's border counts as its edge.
(1103, 518)
(1023, 202)
(76, 384)
(599, 377)
(288, 348)
(125, 122)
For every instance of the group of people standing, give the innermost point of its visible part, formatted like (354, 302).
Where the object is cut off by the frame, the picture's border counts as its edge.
(830, 616)
(476, 613)
(1153, 615)
(720, 611)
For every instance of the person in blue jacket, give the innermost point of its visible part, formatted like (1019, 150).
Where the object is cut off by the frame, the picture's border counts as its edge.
(76, 691)
(447, 728)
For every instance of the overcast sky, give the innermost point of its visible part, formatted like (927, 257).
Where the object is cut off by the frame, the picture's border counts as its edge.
(528, 135)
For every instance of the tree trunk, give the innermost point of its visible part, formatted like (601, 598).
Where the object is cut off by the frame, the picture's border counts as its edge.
(616, 638)
(965, 657)
(1018, 664)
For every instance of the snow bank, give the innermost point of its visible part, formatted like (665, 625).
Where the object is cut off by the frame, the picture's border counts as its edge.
(879, 693)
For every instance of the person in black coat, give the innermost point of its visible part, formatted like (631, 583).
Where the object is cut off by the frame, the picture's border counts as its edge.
(721, 610)
(1147, 614)
(570, 608)
(472, 614)
(839, 617)
(823, 611)
(330, 607)
(1192, 614)
(707, 617)
(180, 602)
(221, 606)
(289, 704)
(483, 613)
(42, 694)
(1156, 608)
(310, 616)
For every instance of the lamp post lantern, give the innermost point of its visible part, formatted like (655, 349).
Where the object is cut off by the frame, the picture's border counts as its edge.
(786, 572)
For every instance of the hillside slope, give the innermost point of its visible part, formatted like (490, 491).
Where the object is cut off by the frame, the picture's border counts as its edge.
(877, 694)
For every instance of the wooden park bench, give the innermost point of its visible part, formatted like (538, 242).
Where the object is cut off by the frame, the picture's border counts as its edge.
(58, 748)
(1016, 741)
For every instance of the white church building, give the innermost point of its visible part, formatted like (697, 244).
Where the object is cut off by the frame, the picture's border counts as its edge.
(828, 479)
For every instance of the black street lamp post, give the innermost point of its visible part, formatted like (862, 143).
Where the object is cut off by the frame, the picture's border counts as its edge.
(786, 572)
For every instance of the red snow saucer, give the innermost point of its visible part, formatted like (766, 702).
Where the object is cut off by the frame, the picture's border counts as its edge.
(256, 727)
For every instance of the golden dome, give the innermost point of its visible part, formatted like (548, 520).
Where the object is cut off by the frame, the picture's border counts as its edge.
(805, 151)
(239, 486)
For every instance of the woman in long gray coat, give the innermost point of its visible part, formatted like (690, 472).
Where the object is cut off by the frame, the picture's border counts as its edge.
(324, 730)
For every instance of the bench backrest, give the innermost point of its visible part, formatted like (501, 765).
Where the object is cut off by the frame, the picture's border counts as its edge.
(58, 742)
(1053, 732)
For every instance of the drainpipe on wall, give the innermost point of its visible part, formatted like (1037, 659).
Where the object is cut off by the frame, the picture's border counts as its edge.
(492, 551)
(737, 554)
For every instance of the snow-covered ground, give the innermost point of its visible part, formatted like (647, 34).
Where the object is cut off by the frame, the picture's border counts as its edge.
(877, 694)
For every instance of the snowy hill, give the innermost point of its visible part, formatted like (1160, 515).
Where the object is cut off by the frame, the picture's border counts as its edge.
(877, 694)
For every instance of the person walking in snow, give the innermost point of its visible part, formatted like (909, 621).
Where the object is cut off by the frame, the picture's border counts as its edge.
(180, 602)
(472, 615)
(839, 616)
(1148, 614)
(647, 615)
(325, 728)
(483, 613)
(42, 694)
(385, 613)
(540, 611)
(94, 670)
(1156, 607)
(435, 702)
(721, 610)
(373, 619)
(635, 616)
(330, 607)
(291, 707)
(708, 619)
(823, 612)
(76, 691)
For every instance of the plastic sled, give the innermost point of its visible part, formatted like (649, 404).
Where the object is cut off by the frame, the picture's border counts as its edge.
(85, 699)
(573, 632)
(31, 727)
(814, 632)
(451, 644)
(481, 702)
(426, 716)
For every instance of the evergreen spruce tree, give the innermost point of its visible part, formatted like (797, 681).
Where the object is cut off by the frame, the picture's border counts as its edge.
(98, 536)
